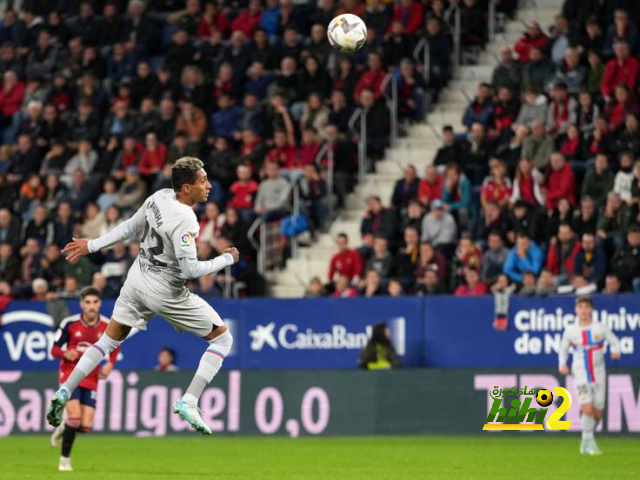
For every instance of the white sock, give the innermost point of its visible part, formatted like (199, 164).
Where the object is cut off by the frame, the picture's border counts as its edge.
(588, 426)
(89, 361)
(209, 366)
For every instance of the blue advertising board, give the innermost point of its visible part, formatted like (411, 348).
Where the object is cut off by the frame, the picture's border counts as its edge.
(459, 330)
(442, 332)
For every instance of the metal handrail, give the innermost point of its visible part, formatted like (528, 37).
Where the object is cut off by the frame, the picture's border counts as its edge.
(327, 149)
(392, 103)
(360, 114)
(294, 219)
(423, 46)
(492, 20)
(457, 42)
(258, 223)
(227, 284)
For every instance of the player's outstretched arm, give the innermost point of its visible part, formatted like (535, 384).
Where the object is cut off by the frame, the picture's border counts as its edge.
(81, 247)
(563, 354)
(193, 268)
(614, 343)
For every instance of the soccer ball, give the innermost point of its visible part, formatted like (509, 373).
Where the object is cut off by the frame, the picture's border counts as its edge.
(544, 397)
(347, 33)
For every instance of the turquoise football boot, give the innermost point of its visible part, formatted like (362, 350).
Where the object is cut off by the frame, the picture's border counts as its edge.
(56, 407)
(191, 415)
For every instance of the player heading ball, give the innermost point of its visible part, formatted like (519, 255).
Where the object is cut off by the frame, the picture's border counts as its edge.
(155, 285)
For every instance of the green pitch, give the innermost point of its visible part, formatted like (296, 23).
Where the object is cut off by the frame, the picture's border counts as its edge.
(353, 458)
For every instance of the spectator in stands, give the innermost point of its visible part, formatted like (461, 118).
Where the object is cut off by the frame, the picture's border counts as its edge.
(9, 264)
(456, 193)
(406, 188)
(439, 228)
(538, 72)
(440, 48)
(560, 181)
(599, 181)
(527, 185)
(372, 285)
(381, 259)
(132, 192)
(467, 254)
(559, 40)
(622, 69)
(562, 255)
(571, 73)
(613, 222)
(314, 196)
(450, 151)
(476, 154)
(346, 262)
(505, 112)
(508, 73)
(622, 30)
(493, 258)
(166, 357)
(430, 187)
(272, 200)
(480, 110)
(343, 288)
(192, 121)
(623, 104)
(533, 109)
(378, 221)
(496, 187)
(398, 43)
(472, 286)
(406, 260)
(561, 111)
(492, 220)
(624, 178)
(430, 259)
(591, 261)
(473, 27)
(613, 286)
(25, 160)
(9, 229)
(534, 37)
(586, 219)
(525, 256)
(587, 113)
(430, 284)
(626, 260)
(371, 79)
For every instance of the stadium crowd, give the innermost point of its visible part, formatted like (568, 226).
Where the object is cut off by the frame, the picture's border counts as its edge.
(99, 98)
(540, 195)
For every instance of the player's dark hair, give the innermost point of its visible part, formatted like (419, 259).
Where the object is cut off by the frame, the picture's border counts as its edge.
(185, 172)
(89, 292)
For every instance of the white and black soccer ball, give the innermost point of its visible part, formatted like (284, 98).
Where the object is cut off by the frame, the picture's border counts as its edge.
(347, 33)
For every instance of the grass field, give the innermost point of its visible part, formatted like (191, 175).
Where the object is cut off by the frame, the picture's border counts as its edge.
(353, 458)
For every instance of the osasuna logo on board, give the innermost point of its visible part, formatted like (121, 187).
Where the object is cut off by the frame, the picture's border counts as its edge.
(293, 337)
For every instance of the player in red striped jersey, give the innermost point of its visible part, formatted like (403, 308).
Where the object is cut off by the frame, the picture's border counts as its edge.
(76, 334)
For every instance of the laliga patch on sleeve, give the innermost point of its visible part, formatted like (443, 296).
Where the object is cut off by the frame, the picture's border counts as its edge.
(186, 240)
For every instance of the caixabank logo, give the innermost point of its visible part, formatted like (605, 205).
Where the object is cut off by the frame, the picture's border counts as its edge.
(528, 411)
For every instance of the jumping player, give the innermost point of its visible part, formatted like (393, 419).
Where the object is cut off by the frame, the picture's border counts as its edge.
(76, 334)
(587, 367)
(155, 285)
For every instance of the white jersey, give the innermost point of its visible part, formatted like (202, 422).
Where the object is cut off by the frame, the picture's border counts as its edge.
(170, 232)
(588, 365)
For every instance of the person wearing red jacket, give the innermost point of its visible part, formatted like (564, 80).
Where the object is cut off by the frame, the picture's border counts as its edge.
(346, 262)
(430, 187)
(212, 19)
(410, 13)
(77, 334)
(472, 286)
(561, 182)
(244, 192)
(154, 156)
(11, 96)
(534, 37)
(372, 78)
(562, 254)
(622, 69)
(344, 289)
(248, 21)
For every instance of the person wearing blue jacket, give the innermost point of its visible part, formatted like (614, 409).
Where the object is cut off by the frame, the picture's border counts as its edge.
(456, 193)
(591, 261)
(525, 256)
(480, 110)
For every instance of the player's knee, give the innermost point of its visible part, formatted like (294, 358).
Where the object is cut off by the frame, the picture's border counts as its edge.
(597, 414)
(587, 410)
(85, 428)
(222, 343)
(73, 422)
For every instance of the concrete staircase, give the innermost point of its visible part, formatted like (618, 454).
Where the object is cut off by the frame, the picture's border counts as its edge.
(418, 148)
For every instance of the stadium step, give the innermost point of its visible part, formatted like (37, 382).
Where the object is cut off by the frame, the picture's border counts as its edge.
(419, 147)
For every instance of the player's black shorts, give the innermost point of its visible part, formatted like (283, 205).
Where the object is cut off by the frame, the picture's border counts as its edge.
(87, 397)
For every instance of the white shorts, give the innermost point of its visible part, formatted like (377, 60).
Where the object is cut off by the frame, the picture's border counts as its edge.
(592, 393)
(188, 313)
